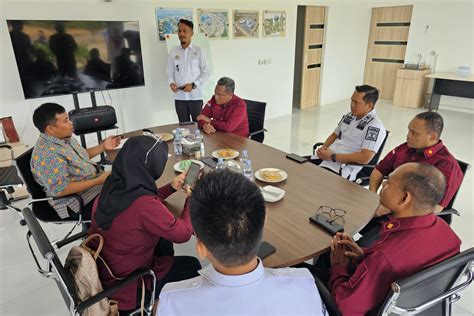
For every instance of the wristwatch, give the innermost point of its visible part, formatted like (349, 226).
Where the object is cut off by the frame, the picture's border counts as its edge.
(194, 86)
(333, 157)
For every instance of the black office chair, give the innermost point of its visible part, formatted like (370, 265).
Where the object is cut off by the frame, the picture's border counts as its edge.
(9, 179)
(256, 118)
(40, 205)
(431, 291)
(363, 175)
(448, 211)
(55, 270)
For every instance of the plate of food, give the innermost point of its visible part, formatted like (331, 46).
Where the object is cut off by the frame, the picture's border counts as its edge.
(184, 131)
(225, 153)
(166, 136)
(183, 165)
(271, 175)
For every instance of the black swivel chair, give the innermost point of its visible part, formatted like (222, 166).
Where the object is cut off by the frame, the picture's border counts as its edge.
(363, 176)
(256, 118)
(41, 208)
(55, 270)
(431, 291)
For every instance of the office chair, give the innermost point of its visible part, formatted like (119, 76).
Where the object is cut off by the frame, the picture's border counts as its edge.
(55, 270)
(41, 208)
(256, 118)
(431, 291)
(363, 175)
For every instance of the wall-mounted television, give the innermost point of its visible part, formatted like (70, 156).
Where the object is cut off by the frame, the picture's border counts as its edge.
(65, 57)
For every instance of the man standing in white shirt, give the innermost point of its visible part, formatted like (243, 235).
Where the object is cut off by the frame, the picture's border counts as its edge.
(187, 72)
(228, 213)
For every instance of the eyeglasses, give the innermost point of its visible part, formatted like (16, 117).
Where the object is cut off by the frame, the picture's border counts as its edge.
(333, 214)
(155, 137)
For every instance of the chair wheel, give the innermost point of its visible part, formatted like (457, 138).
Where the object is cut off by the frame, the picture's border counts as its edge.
(22, 222)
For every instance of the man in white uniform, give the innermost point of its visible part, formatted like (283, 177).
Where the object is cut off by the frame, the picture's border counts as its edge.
(357, 137)
(187, 72)
(228, 213)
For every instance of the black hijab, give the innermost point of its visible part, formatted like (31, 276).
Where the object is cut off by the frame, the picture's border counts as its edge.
(131, 177)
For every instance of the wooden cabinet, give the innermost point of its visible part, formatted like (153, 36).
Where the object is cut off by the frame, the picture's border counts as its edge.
(410, 87)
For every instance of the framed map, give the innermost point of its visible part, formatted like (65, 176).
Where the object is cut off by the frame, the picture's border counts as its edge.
(167, 20)
(245, 23)
(213, 23)
(274, 23)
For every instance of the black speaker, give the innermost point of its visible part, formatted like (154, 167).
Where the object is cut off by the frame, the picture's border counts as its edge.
(87, 120)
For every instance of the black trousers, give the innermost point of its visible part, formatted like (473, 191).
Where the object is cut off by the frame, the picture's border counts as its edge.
(188, 110)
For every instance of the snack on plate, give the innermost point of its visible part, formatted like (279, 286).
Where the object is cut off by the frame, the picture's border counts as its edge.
(226, 153)
(184, 164)
(271, 175)
(166, 136)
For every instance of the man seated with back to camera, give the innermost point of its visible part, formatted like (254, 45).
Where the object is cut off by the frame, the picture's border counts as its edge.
(228, 215)
(225, 111)
(412, 238)
(61, 166)
(357, 137)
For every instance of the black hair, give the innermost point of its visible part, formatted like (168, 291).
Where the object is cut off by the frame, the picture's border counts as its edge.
(371, 93)
(228, 214)
(187, 22)
(434, 122)
(426, 183)
(45, 115)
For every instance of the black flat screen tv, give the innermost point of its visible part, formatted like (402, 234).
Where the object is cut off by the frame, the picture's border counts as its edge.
(65, 57)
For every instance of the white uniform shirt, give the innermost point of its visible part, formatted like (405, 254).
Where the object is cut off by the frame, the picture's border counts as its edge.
(355, 135)
(187, 66)
(264, 291)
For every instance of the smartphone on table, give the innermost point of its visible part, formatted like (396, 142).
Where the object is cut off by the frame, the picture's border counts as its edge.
(265, 250)
(192, 174)
(209, 161)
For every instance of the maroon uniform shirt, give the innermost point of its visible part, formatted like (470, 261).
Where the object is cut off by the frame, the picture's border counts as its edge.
(437, 155)
(130, 242)
(230, 117)
(406, 246)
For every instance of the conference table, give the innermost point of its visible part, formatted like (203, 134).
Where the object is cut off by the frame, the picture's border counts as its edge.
(451, 84)
(307, 187)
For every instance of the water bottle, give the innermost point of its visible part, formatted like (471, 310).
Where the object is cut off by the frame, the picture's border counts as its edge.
(178, 146)
(220, 164)
(198, 138)
(243, 158)
(248, 172)
(202, 150)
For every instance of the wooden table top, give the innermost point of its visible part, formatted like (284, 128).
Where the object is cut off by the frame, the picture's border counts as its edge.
(308, 186)
(451, 76)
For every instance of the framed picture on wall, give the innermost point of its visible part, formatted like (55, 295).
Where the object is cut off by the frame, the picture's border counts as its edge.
(213, 23)
(245, 23)
(167, 20)
(274, 23)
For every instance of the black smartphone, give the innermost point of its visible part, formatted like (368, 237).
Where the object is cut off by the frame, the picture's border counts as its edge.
(186, 123)
(209, 161)
(325, 223)
(296, 158)
(265, 250)
(192, 174)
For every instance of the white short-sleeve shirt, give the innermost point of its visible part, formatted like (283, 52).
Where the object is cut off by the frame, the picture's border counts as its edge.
(187, 65)
(263, 291)
(353, 136)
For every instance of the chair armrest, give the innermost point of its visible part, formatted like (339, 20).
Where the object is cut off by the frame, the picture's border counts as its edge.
(120, 284)
(357, 165)
(316, 146)
(51, 198)
(448, 211)
(69, 240)
(6, 146)
(327, 298)
(257, 132)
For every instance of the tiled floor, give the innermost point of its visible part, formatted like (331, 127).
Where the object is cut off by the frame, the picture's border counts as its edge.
(24, 292)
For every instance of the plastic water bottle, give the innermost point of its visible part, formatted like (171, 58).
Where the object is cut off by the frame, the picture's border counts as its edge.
(202, 150)
(243, 158)
(198, 138)
(178, 146)
(220, 164)
(248, 172)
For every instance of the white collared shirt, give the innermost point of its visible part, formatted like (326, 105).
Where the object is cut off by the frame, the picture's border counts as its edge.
(187, 66)
(355, 135)
(263, 291)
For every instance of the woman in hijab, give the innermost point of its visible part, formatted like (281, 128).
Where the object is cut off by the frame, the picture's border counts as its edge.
(130, 215)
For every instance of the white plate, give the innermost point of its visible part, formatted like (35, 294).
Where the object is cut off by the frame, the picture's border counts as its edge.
(178, 169)
(184, 132)
(272, 194)
(215, 154)
(259, 175)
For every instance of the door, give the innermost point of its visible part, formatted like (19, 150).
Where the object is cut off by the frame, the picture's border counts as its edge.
(309, 55)
(386, 49)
